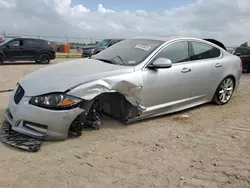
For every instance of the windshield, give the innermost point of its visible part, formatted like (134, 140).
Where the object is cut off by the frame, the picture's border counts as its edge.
(4, 42)
(129, 52)
(104, 43)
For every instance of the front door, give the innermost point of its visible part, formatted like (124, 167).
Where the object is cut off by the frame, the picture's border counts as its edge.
(14, 51)
(163, 88)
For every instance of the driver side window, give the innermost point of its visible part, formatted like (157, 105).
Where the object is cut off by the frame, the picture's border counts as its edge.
(15, 43)
(176, 52)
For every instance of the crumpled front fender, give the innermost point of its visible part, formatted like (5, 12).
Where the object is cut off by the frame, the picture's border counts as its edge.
(128, 85)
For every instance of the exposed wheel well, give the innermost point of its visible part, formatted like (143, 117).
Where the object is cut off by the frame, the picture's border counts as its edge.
(112, 104)
(116, 105)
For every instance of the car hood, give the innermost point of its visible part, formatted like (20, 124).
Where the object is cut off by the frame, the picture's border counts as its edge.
(62, 76)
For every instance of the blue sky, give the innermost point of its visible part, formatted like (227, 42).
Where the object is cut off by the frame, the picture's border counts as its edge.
(148, 5)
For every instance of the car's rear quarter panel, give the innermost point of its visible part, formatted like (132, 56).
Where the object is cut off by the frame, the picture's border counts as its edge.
(232, 67)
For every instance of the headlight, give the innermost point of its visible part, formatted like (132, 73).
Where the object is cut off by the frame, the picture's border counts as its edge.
(55, 101)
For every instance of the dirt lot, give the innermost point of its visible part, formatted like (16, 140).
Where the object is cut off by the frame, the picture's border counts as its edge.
(209, 147)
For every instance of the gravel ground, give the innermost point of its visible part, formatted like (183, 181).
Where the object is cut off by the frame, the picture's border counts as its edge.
(207, 146)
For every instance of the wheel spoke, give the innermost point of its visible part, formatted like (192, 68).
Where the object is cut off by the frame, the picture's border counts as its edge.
(230, 83)
(221, 91)
(225, 97)
(222, 96)
(229, 88)
(225, 83)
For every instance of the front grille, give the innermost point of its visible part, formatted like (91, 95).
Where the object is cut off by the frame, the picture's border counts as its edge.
(19, 94)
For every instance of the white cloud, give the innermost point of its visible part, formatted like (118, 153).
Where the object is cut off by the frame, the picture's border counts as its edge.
(225, 20)
(101, 9)
(6, 4)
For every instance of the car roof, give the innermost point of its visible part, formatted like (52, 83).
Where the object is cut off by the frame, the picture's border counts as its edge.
(114, 39)
(20, 38)
(173, 37)
(167, 38)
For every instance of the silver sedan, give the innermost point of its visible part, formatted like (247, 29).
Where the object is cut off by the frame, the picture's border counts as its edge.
(132, 80)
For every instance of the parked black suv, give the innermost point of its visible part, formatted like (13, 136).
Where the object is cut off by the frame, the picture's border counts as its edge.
(27, 49)
(88, 51)
(244, 54)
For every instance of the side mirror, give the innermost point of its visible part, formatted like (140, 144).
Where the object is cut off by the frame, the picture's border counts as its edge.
(238, 54)
(161, 63)
(7, 45)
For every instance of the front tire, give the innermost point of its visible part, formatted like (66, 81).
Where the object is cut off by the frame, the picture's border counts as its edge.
(44, 59)
(1, 59)
(224, 91)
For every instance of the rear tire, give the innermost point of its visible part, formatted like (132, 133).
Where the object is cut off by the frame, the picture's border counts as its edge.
(44, 59)
(1, 59)
(224, 91)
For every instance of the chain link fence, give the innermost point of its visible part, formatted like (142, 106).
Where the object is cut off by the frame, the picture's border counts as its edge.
(76, 43)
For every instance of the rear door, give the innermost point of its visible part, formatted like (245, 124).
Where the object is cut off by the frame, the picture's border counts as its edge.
(208, 70)
(31, 47)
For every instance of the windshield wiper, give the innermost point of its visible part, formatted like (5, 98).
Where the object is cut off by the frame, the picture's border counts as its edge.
(105, 60)
(119, 57)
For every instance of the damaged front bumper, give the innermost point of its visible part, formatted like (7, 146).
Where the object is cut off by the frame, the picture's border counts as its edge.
(38, 122)
(18, 140)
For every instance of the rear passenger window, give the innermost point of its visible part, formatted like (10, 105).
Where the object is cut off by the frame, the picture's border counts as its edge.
(30, 43)
(176, 52)
(204, 51)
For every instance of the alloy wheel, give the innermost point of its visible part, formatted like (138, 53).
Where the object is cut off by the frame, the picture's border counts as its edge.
(45, 60)
(226, 90)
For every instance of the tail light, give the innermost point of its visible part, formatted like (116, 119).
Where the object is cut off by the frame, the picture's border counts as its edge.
(51, 47)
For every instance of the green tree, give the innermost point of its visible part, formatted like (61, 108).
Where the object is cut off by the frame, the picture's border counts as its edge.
(244, 44)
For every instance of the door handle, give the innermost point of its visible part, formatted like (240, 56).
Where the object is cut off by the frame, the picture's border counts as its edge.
(186, 70)
(217, 65)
